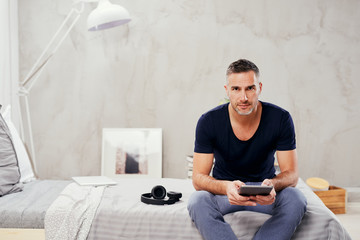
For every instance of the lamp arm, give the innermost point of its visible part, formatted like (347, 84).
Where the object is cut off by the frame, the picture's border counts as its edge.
(31, 78)
(37, 67)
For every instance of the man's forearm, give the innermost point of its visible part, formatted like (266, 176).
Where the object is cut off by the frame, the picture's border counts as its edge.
(285, 179)
(210, 184)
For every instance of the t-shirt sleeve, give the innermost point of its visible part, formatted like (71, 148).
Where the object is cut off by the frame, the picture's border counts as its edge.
(203, 140)
(286, 139)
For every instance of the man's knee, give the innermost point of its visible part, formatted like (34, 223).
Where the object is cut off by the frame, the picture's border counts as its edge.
(199, 201)
(295, 198)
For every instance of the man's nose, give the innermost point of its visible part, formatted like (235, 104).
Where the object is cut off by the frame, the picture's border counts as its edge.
(243, 96)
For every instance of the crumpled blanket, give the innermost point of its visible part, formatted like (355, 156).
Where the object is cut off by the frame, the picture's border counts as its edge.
(70, 216)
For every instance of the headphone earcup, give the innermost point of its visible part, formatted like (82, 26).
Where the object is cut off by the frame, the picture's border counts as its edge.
(174, 195)
(158, 192)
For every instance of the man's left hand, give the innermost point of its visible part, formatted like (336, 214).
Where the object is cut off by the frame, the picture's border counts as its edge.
(268, 199)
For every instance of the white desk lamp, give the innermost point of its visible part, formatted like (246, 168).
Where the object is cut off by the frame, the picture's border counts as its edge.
(105, 16)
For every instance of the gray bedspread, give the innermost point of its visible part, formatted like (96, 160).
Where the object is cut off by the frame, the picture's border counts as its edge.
(27, 209)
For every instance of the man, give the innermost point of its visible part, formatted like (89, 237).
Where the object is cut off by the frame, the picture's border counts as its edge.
(243, 137)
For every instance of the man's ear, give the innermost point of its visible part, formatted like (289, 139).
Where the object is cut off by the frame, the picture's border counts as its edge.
(260, 87)
(226, 90)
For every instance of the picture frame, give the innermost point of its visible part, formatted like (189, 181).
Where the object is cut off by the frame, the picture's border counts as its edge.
(131, 153)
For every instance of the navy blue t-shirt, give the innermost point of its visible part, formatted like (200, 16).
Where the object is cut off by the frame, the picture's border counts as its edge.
(251, 160)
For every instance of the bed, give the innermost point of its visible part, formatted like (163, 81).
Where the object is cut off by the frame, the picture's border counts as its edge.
(119, 213)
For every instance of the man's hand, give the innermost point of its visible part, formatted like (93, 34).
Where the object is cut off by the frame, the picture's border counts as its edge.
(268, 199)
(232, 192)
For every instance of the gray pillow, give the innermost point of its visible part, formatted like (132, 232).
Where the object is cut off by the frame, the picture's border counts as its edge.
(9, 169)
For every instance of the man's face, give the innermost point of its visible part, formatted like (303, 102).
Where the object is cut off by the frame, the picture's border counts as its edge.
(243, 90)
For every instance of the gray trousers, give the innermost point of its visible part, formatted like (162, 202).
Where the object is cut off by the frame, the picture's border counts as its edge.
(207, 211)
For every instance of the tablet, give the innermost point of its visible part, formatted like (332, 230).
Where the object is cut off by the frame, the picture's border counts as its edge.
(94, 181)
(249, 190)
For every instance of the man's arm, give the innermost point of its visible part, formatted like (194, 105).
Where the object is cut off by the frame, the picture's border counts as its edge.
(202, 164)
(202, 180)
(289, 170)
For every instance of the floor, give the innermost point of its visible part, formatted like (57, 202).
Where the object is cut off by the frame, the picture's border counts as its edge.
(351, 220)
(24, 234)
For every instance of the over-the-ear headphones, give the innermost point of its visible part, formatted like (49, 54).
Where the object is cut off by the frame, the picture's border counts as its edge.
(157, 196)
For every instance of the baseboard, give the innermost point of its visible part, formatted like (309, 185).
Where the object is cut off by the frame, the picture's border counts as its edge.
(353, 194)
(353, 205)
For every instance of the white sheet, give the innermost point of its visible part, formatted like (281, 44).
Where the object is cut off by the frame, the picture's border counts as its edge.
(70, 215)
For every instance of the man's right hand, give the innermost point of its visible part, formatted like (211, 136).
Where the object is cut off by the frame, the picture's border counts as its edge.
(232, 192)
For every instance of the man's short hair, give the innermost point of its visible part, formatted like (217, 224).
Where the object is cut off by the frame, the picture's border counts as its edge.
(242, 65)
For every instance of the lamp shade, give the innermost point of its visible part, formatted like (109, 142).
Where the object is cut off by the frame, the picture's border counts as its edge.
(107, 15)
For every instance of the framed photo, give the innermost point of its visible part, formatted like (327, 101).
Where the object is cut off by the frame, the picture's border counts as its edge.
(132, 152)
